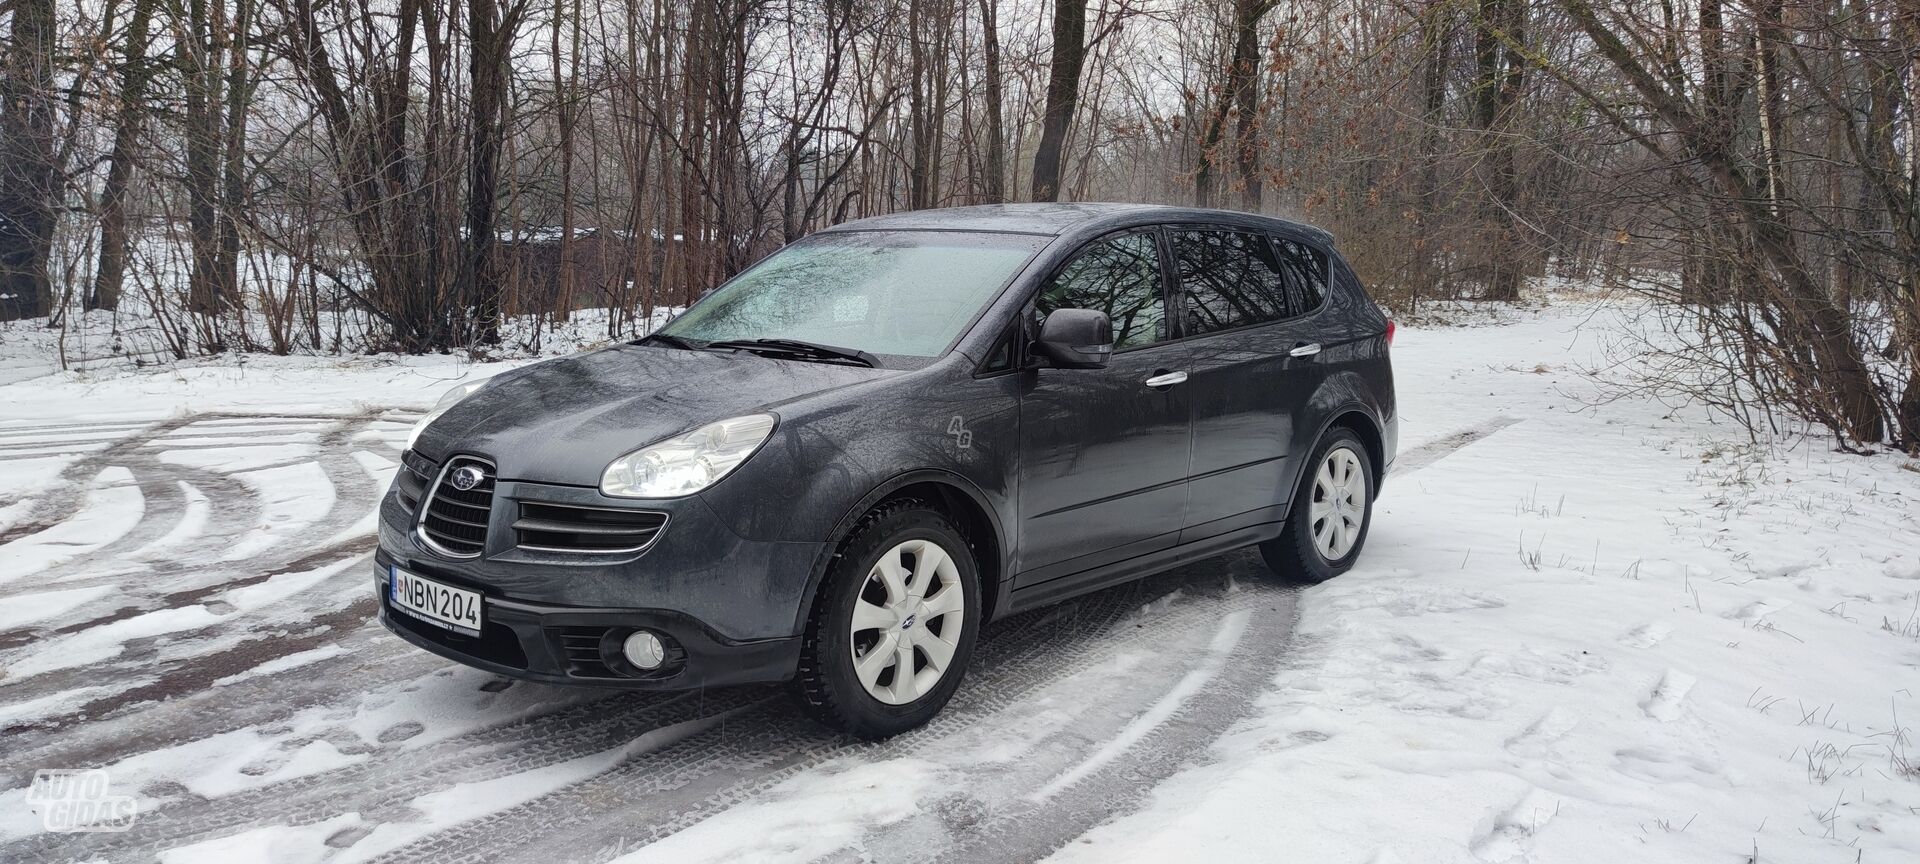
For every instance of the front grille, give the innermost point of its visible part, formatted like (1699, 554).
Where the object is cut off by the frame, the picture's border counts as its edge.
(416, 474)
(548, 527)
(454, 521)
(581, 645)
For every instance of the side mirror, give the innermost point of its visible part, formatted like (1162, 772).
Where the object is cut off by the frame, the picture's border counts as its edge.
(1075, 339)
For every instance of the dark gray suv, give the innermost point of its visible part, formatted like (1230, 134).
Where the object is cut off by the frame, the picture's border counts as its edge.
(835, 467)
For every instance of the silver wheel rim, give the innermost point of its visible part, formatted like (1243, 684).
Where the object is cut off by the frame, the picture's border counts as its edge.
(907, 619)
(1339, 503)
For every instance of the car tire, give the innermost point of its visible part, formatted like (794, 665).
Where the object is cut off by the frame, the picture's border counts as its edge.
(1335, 491)
(869, 617)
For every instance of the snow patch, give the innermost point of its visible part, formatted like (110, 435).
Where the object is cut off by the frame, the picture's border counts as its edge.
(111, 508)
(22, 609)
(805, 818)
(280, 844)
(282, 664)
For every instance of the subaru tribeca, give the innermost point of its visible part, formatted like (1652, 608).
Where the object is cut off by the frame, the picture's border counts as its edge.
(834, 468)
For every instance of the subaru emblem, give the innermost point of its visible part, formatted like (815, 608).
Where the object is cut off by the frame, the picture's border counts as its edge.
(466, 477)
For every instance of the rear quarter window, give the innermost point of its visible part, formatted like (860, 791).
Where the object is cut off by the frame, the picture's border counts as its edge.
(1305, 270)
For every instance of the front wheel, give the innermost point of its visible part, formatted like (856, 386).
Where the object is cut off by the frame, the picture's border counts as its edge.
(1331, 512)
(890, 635)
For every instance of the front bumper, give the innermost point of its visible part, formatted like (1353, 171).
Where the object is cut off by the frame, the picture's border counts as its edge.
(741, 589)
(578, 645)
(730, 607)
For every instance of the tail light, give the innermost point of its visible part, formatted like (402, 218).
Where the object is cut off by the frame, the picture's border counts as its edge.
(1390, 329)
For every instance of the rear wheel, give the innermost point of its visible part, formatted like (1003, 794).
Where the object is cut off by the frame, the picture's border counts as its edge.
(890, 635)
(1331, 512)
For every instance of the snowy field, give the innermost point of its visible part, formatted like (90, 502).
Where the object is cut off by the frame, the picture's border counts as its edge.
(1580, 632)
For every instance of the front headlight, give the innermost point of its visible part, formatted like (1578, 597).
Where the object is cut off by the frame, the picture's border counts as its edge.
(447, 401)
(687, 463)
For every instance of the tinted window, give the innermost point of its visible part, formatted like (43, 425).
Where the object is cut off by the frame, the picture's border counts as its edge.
(1305, 269)
(1227, 279)
(1119, 276)
(1232, 278)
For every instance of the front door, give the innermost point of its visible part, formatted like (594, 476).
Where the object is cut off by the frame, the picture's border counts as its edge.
(1103, 458)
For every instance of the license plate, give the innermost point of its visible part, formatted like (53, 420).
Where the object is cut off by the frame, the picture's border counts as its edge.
(441, 605)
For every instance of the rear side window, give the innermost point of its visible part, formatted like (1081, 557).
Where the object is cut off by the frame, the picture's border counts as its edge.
(1119, 276)
(1227, 279)
(1305, 269)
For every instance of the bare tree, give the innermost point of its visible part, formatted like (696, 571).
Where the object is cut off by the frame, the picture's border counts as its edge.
(423, 175)
(134, 73)
(1500, 78)
(30, 181)
(995, 167)
(1063, 91)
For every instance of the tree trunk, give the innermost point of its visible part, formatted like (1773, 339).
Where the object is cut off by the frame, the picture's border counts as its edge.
(1501, 81)
(1063, 90)
(201, 69)
(233, 199)
(1436, 37)
(996, 167)
(925, 100)
(1908, 24)
(1211, 133)
(110, 274)
(1766, 61)
(29, 176)
(564, 95)
(1239, 83)
(486, 70)
(1245, 83)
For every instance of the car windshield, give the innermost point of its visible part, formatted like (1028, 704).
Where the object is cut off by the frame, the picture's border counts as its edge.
(903, 294)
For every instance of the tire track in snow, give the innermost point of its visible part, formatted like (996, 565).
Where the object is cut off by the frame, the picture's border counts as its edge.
(1153, 718)
(667, 790)
(1009, 667)
(173, 575)
(236, 507)
(1440, 448)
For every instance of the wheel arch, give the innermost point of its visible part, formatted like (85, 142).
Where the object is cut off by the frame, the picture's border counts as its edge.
(1359, 418)
(958, 497)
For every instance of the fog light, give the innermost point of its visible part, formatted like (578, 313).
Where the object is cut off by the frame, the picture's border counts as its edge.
(644, 650)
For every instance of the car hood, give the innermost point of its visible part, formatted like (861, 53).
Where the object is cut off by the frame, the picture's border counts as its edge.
(563, 420)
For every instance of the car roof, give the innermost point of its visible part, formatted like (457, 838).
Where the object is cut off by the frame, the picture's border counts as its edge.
(1057, 219)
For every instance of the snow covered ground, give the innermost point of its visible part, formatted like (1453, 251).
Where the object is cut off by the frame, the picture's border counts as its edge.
(1611, 634)
(1580, 632)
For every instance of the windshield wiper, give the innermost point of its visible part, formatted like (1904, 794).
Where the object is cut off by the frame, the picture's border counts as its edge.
(800, 350)
(667, 339)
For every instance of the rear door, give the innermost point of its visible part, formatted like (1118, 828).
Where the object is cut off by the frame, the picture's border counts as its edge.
(1246, 305)
(1103, 454)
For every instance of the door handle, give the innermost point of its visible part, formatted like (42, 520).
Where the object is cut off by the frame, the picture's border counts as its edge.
(1304, 349)
(1166, 379)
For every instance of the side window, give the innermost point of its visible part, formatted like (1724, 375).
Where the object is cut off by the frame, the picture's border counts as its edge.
(1119, 276)
(1306, 273)
(1000, 357)
(1228, 279)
